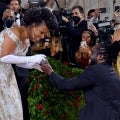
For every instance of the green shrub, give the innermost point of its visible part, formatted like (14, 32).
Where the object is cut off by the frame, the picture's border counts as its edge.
(48, 103)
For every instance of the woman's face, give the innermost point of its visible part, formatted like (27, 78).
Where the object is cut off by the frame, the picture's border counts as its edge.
(86, 37)
(38, 32)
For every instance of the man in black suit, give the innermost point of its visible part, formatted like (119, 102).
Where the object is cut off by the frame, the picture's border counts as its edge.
(99, 82)
(73, 33)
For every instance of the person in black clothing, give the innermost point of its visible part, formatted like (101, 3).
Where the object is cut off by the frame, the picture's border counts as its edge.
(99, 82)
(3, 7)
(74, 31)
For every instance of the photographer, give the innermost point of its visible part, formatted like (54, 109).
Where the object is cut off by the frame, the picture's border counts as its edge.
(47, 3)
(94, 15)
(74, 30)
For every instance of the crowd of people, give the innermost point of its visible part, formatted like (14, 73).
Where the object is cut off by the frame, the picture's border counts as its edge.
(79, 43)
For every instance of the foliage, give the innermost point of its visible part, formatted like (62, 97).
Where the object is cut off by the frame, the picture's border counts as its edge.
(48, 103)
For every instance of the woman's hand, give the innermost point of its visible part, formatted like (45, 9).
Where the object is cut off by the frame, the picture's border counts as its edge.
(93, 28)
(85, 51)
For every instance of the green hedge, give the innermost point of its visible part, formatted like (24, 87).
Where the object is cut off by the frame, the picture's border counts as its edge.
(49, 103)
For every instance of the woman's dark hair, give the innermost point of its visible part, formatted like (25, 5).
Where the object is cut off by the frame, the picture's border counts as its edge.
(92, 35)
(38, 15)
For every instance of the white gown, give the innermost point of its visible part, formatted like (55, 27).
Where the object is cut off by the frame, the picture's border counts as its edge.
(10, 100)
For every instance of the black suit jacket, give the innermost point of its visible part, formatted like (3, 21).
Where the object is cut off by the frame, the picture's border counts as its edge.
(20, 72)
(101, 87)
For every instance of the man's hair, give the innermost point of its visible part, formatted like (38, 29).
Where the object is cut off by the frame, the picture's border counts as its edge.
(110, 51)
(19, 1)
(78, 7)
(38, 15)
(89, 12)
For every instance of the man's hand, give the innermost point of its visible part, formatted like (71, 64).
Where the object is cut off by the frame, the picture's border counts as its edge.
(65, 19)
(97, 12)
(46, 68)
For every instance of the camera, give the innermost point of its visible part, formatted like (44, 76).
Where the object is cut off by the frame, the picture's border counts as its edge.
(34, 3)
(105, 30)
(62, 26)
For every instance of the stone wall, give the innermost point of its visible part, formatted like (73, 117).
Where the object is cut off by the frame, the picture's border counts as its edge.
(87, 5)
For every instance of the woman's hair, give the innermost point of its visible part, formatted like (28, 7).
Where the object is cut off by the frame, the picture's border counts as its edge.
(92, 35)
(38, 15)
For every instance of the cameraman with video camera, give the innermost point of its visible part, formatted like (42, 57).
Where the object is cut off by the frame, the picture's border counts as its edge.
(74, 30)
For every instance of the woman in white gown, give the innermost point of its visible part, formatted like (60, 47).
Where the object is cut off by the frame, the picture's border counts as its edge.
(14, 43)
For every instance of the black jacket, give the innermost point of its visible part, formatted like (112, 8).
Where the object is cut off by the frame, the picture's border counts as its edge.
(74, 32)
(3, 7)
(101, 88)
